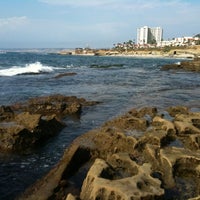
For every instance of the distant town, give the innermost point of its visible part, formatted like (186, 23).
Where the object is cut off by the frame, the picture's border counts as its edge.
(148, 37)
(149, 40)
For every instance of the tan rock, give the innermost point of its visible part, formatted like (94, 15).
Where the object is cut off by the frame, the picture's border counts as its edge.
(195, 198)
(128, 167)
(101, 183)
(164, 124)
(28, 120)
(179, 162)
(127, 123)
(188, 124)
(174, 110)
(71, 197)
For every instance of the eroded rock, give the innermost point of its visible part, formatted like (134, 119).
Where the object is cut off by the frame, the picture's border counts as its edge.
(24, 125)
(55, 104)
(27, 130)
(131, 181)
(6, 113)
(113, 164)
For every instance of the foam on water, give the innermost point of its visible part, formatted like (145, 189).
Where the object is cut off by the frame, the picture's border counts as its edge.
(34, 68)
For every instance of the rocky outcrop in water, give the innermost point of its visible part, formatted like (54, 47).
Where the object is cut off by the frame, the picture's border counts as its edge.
(65, 74)
(192, 65)
(144, 154)
(25, 125)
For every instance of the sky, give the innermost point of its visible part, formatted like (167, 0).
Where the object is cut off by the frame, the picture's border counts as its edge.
(93, 23)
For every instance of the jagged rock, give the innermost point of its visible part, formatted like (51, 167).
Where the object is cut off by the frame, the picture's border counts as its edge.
(131, 181)
(179, 162)
(27, 130)
(112, 164)
(188, 129)
(151, 111)
(6, 113)
(165, 125)
(174, 110)
(192, 141)
(24, 125)
(107, 142)
(188, 124)
(127, 123)
(55, 104)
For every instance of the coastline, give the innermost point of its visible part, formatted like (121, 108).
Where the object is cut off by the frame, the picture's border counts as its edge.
(114, 138)
(185, 53)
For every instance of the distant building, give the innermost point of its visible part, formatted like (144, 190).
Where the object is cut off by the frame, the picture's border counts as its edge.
(180, 41)
(147, 35)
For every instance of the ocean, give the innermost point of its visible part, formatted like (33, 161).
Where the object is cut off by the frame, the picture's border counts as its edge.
(119, 83)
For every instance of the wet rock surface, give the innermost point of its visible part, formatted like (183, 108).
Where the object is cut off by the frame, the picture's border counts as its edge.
(25, 125)
(192, 65)
(143, 154)
(65, 74)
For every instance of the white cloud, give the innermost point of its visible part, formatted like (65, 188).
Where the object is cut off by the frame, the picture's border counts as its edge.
(13, 22)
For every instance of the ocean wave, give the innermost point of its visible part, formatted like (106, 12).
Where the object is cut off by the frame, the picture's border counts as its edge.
(32, 68)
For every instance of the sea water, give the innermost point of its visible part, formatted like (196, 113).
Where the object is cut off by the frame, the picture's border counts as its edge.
(119, 83)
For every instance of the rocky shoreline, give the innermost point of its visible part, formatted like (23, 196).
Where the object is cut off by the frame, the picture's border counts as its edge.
(143, 154)
(175, 52)
(25, 125)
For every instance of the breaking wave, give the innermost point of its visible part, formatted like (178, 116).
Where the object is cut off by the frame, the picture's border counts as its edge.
(32, 68)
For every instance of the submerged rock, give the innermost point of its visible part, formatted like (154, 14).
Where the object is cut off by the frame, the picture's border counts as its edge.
(65, 74)
(128, 158)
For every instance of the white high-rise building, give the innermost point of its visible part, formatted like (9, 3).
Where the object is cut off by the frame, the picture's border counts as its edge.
(142, 35)
(146, 35)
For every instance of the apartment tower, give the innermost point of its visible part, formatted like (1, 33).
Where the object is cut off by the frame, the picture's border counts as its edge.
(147, 35)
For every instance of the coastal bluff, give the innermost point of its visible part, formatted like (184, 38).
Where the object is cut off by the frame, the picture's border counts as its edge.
(145, 154)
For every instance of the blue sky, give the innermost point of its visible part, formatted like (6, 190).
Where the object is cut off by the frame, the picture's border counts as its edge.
(97, 23)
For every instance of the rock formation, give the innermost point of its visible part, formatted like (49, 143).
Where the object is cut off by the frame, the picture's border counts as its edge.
(192, 65)
(144, 154)
(65, 74)
(25, 125)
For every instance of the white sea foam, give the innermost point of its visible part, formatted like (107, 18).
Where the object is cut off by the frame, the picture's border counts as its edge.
(36, 68)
